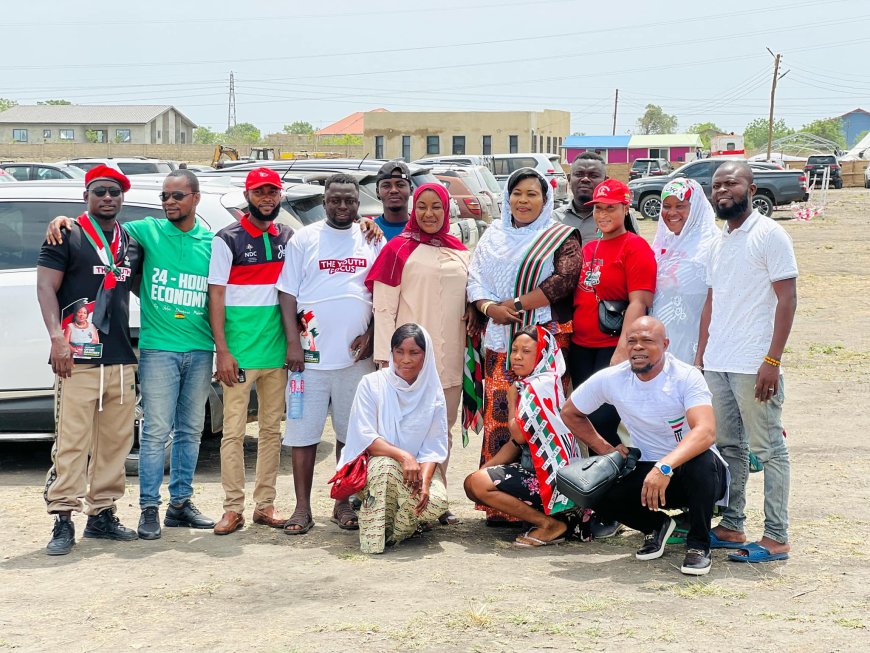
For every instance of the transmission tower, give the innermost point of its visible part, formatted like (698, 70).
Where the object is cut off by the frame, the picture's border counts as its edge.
(231, 107)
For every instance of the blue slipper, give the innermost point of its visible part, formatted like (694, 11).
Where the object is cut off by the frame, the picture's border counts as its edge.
(756, 553)
(716, 543)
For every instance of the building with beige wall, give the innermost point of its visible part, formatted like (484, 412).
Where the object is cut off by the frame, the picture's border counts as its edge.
(416, 134)
(72, 123)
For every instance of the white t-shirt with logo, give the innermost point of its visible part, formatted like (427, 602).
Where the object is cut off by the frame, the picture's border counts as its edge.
(654, 411)
(742, 268)
(325, 269)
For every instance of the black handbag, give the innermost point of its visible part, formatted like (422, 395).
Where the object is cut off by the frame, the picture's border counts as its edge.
(588, 480)
(611, 314)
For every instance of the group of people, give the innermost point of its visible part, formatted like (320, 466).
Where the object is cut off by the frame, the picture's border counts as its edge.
(674, 349)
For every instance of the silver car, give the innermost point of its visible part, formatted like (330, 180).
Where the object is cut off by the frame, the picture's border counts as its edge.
(548, 165)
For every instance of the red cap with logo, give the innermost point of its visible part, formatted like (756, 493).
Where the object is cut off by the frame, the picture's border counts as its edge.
(262, 177)
(610, 191)
(105, 173)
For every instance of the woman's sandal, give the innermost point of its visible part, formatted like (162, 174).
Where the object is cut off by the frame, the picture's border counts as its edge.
(449, 519)
(303, 520)
(344, 516)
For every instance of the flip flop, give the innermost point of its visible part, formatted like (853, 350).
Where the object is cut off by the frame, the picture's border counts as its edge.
(526, 541)
(448, 519)
(716, 543)
(306, 525)
(755, 552)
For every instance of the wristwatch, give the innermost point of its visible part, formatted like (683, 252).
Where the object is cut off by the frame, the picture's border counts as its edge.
(518, 305)
(665, 469)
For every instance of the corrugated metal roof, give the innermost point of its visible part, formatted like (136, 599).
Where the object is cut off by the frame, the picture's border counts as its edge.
(599, 142)
(79, 114)
(352, 124)
(665, 140)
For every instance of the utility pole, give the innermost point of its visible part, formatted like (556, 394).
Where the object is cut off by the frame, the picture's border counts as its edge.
(776, 59)
(615, 105)
(231, 107)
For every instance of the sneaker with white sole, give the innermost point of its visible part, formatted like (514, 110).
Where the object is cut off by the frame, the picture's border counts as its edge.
(697, 562)
(654, 543)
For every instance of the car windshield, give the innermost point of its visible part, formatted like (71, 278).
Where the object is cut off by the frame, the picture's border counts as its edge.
(821, 159)
(308, 209)
(144, 167)
(489, 178)
(557, 166)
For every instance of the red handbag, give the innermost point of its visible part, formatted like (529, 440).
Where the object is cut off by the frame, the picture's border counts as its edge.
(350, 479)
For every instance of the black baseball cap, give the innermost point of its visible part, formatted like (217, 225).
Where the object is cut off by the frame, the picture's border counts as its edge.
(394, 168)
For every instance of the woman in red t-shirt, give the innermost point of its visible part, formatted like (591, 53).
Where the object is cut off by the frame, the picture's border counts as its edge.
(620, 266)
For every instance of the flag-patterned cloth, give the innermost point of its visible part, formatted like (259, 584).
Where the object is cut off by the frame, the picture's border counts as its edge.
(472, 388)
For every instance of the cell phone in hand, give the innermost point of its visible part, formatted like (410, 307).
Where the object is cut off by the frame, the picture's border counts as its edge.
(242, 376)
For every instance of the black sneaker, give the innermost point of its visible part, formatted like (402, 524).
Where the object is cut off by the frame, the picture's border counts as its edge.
(602, 529)
(654, 543)
(188, 515)
(63, 536)
(697, 562)
(107, 526)
(149, 523)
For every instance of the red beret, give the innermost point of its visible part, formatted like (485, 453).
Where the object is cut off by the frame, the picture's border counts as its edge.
(107, 173)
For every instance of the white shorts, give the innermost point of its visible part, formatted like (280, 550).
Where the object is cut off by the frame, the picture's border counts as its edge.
(326, 392)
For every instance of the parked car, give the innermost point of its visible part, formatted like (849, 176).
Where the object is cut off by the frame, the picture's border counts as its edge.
(649, 168)
(25, 171)
(482, 183)
(468, 201)
(547, 164)
(5, 177)
(27, 395)
(815, 169)
(867, 177)
(485, 160)
(134, 165)
(773, 187)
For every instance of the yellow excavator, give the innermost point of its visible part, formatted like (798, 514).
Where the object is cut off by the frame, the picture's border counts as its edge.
(223, 153)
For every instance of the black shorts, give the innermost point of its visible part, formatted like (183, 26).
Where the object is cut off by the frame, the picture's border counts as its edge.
(518, 482)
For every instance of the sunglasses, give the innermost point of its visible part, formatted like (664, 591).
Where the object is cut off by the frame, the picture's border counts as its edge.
(177, 195)
(100, 191)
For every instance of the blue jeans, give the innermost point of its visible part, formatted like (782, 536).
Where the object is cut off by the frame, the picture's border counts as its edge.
(744, 424)
(174, 390)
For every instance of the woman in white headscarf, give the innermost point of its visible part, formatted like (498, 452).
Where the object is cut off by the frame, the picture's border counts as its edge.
(399, 417)
(684, 237)
(523, 272)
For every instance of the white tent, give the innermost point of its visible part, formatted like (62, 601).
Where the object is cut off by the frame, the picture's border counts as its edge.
(776, 157)
(861, 150)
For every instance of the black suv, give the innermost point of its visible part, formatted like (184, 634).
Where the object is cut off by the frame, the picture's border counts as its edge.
(649, 168)
(815, 168)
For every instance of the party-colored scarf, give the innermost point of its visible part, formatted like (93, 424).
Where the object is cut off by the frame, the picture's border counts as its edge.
(110, 255)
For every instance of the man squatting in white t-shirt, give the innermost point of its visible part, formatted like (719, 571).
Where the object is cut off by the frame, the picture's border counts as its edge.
(667, 408)
(322, 287)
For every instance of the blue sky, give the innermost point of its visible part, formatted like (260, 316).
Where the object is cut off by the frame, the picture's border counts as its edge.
(292, 61)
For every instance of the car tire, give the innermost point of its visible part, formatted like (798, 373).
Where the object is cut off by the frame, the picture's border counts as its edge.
(763, 204)
(838, 184)
(650, 206)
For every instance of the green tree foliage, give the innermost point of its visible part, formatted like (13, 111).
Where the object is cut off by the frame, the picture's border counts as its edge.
(705, 130)
(54, 102)
(205, 136)
(244, 132)
(755, 134)
(299, 127)
(6, 103)
(655, 121)
(829, 128)
(344, 139)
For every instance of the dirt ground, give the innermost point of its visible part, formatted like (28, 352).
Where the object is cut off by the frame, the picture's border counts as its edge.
(466, 588)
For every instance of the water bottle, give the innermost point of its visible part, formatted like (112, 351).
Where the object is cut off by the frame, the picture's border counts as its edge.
(296, 387)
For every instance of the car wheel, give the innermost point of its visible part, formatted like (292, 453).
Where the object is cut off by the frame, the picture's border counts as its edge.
(838, 184)
(651, 207)
(763, 204)
(131, 464)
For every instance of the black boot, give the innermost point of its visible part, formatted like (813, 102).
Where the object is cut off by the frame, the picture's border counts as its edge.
(149, 523)
(63, 536)
(107, 526)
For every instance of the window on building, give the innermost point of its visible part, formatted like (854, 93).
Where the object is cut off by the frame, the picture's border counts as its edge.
(433, 145)
(540, 143)
(487, 145)
(96, 135)
(123, 136)
(534, 142)
(549, 144)
(379, 147)
(19, 135)
(513, 144)
(46, 134)
(183, 137)
(659, 153)
(459, 145)
(406, 148)
(67, 134)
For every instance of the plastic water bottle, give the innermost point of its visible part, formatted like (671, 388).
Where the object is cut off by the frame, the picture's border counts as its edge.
(296, 388)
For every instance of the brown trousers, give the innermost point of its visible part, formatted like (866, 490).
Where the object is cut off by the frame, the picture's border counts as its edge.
(92, 443)
(271, 386)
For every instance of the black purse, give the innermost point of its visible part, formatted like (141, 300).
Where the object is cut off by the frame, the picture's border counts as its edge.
(586, 481)
(611, 315)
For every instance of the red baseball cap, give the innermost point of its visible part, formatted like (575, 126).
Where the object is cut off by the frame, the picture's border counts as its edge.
(610, 191)
(105, 173)
(262, 177)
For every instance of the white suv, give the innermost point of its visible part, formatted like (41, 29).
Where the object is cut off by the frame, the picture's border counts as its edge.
(133, 165)
(547, 164)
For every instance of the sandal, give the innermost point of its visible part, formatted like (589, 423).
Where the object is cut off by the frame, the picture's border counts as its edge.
(449, 519)
(303, 520)
(344, 516)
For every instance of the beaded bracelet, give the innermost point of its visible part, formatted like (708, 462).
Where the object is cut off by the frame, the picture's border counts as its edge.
(772, 361)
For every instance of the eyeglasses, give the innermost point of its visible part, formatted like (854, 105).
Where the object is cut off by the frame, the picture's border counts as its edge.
(100, 191)
(177, 195)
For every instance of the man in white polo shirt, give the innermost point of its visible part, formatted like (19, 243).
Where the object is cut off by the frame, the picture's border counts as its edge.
(752, 275)
(665, 404)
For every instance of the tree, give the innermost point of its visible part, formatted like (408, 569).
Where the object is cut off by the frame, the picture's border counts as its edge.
(829, 128)
(205, 136)
(344, 139)
(244, 132)
(299, 127)
(55, 102)
(6, 103)
(655, 121)
(705, 130)
(755, 134)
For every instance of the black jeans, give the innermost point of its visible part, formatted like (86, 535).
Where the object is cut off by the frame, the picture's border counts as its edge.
(696, 485)
(583, 362)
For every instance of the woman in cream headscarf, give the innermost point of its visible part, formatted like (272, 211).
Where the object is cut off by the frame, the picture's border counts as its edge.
(399, 418)
(684, 237)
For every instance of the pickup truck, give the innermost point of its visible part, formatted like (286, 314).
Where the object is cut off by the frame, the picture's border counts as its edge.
(773, 187)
